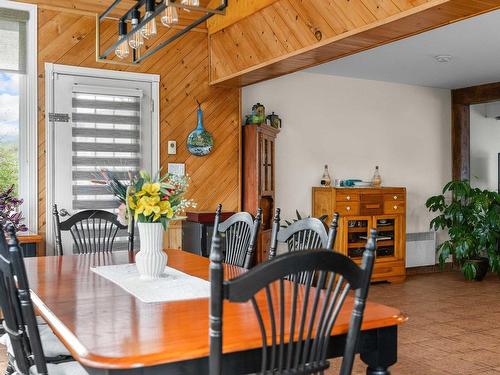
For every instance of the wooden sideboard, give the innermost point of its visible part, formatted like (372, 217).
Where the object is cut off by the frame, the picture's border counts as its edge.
(360, 209)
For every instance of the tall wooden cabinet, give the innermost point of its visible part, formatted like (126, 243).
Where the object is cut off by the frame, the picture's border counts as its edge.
(258, 178)
(360, 209)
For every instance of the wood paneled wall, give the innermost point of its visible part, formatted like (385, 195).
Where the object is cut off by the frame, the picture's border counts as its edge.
(290, 35)
(69, 38)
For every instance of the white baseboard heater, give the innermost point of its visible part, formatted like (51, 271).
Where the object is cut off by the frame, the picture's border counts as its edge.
(420, 249)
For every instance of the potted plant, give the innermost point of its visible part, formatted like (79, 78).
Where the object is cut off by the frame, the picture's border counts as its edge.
(472, 218)
(9, 210)
(322, 218)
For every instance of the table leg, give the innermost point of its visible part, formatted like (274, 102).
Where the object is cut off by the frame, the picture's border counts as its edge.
(384, 353)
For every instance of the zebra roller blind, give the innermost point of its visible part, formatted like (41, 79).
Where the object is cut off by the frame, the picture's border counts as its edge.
(13, 40)
(106, 134)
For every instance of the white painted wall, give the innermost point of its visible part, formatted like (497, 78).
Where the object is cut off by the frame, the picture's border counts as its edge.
(484, 148)
(353, 125)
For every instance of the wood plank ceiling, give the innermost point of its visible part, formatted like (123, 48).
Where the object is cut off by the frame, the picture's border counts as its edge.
(290, 35)
(98, 6)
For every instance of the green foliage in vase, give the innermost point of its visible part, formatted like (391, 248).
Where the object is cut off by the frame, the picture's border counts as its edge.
(472, 218)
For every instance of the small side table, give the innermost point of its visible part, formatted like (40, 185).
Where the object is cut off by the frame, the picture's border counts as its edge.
(197, 231)
(29, 243)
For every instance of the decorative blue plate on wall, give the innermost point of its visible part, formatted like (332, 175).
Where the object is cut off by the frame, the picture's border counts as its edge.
(199, 141)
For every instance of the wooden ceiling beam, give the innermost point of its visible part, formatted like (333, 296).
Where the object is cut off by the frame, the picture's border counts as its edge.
(236, 11)
(290, 35)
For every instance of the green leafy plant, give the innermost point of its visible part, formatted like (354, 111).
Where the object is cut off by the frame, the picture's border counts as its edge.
(472, 218)
(299, 217)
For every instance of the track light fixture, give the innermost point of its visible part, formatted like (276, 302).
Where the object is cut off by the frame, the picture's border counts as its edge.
(146, 27)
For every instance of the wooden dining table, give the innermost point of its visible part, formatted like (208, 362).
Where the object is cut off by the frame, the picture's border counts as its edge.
(109, 331)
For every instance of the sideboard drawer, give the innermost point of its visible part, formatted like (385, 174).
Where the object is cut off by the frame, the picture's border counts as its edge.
(344, 196)
(371, 208)
(347, 208)
(371, 204)
(382, 271)
(394, 197)
(394, 207)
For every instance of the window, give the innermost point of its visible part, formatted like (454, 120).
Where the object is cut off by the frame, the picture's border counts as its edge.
(9, 131)
(18, 105)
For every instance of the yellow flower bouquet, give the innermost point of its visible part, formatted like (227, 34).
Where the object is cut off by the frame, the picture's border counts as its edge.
(159, 199)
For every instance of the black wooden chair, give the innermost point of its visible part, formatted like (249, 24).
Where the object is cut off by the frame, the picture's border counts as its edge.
(332, 231)
(20, 322)
(54, 349)
(93, 231)
(305, 234)
(240, 237)
(285, 303)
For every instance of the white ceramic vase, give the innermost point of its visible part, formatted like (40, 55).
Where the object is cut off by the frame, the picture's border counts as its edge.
(151, 259)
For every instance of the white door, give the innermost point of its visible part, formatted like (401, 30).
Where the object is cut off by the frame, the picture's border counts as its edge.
(97, 123)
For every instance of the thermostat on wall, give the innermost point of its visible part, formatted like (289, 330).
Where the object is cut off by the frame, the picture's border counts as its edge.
(172, 147)
(177, 168)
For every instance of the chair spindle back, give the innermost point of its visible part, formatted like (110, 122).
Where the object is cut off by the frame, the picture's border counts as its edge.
(304, 234)
(240, 236)
(93, 231)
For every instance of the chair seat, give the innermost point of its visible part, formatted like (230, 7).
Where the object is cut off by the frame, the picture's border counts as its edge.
(52, 346)
(66, 368)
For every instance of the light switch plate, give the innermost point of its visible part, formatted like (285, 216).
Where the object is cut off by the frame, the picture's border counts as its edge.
(177, 168)
(172, 147)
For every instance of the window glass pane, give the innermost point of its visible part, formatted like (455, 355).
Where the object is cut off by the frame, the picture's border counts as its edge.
(9, 130)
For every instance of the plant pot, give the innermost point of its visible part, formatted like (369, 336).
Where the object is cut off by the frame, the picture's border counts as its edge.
(482, 266)
(151, 259)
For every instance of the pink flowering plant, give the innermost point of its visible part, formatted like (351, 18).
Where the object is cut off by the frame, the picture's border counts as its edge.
(9, 210)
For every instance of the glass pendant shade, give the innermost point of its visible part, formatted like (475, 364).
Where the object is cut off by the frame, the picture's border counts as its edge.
(122, 51)
(136, 40)
(170, 16)
(149, 30)
(186, 2)
(193, 3)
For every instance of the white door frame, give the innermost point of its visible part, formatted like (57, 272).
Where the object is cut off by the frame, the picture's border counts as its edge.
(51, 70)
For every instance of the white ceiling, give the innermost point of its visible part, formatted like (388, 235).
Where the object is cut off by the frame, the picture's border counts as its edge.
(474, 45)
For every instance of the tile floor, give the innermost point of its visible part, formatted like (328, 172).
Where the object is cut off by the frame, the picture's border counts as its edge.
(453, 326)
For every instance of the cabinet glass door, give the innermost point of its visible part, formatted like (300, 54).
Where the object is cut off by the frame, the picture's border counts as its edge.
(388, 236)
(357, 229)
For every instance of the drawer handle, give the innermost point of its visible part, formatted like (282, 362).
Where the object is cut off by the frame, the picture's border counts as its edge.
(372, 206)
(395, 197)
(348, 198)
(395, 207)
(348, 208)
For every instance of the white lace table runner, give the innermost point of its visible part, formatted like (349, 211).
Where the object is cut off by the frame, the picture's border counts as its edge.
(174, 285)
